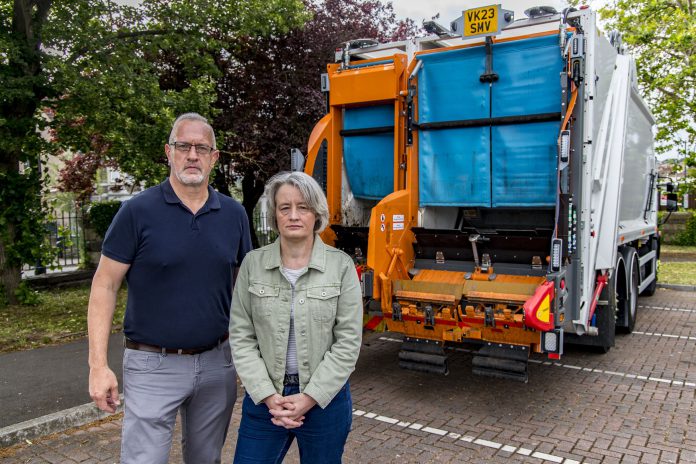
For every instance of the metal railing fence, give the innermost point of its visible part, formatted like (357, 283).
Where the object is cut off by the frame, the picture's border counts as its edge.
(65, 232)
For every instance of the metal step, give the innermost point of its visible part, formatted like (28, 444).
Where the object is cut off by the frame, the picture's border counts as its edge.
(502, 361)
(423, 356)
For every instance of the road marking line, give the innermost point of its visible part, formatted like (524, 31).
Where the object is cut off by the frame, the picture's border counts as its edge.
(464, 438)
(547, 457)
(667, 308)
(671, 382)
(488, 444)
(434, 431)
(657, 334)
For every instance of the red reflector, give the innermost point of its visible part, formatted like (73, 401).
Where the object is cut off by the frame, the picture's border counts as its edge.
(537, 309)
(562, 284)
(554, 356)
(584, 7)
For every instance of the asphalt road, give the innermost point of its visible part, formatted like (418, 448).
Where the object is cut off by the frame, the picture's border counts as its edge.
(41, 381)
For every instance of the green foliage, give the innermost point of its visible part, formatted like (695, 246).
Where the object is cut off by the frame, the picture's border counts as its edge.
(100, 214)
(661, 35)
(22, 87)
(26, 295)
(115, 78)
(133, 70)
(688, 236)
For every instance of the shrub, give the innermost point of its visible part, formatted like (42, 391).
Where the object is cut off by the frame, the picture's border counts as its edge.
(688, 236)
(101, 213)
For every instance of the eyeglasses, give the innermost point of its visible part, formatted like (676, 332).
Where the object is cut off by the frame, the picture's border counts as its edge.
(185, 147)
(285, 210)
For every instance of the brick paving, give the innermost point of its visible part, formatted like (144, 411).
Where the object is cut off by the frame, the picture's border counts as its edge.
(635, 404)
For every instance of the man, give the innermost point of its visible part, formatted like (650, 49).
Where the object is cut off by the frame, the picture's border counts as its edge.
(178, 245)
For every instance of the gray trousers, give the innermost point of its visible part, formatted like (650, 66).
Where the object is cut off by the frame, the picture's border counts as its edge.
(155, 386)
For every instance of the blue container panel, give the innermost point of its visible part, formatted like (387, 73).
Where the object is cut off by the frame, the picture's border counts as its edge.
(524, 164)
(369, 159)
(369, 162)
(368, 116)
(529, 80)
(449, 88)
(454, 167)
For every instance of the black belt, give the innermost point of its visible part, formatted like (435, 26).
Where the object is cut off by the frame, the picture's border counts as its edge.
(291, 379)
(133, 345)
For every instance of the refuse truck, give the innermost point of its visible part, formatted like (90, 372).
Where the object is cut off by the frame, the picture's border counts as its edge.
(495, 183)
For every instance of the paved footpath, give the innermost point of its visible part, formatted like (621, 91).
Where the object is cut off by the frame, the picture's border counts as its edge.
(635, 404)
(46, 380)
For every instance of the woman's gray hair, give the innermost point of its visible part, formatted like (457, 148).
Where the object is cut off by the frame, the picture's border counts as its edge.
(309, 189)
(191, 117)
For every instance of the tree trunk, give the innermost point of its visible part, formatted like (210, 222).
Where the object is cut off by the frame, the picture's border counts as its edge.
(10, 275)
(252, 189)
(220, 180)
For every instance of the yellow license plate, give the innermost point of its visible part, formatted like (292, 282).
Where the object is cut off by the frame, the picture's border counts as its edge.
(482, 21)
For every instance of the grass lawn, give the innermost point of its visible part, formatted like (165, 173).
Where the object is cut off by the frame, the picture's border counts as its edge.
(678, 250)
(677, 265)
(60, 316)
(677, 272)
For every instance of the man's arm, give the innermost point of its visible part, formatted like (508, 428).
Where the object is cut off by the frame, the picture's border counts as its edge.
(103, 386)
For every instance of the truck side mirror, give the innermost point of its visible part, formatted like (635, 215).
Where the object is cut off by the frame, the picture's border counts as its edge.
(672, 203)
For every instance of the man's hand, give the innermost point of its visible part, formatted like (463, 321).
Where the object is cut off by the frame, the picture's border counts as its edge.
(283, 415)
(103, 388)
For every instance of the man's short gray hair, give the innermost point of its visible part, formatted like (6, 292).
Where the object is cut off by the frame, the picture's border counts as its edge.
(191, 117)
(309, 189)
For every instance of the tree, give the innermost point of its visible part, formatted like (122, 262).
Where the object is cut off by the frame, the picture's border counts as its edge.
(23, 86)
(103, 69)
(661, 34)
(269, 96)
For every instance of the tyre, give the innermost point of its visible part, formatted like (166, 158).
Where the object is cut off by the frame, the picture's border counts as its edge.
(627, 307)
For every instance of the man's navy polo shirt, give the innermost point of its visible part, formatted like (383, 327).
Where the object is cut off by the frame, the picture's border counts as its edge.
(181, 265)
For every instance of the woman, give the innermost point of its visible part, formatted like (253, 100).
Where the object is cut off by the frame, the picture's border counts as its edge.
(295, 331)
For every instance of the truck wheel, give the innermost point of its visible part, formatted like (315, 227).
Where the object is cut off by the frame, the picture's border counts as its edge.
(628, 307)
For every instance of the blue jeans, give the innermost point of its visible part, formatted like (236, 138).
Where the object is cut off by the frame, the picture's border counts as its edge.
(320, 439)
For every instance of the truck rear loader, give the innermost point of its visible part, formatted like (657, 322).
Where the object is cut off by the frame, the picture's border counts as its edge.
(495, 183)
